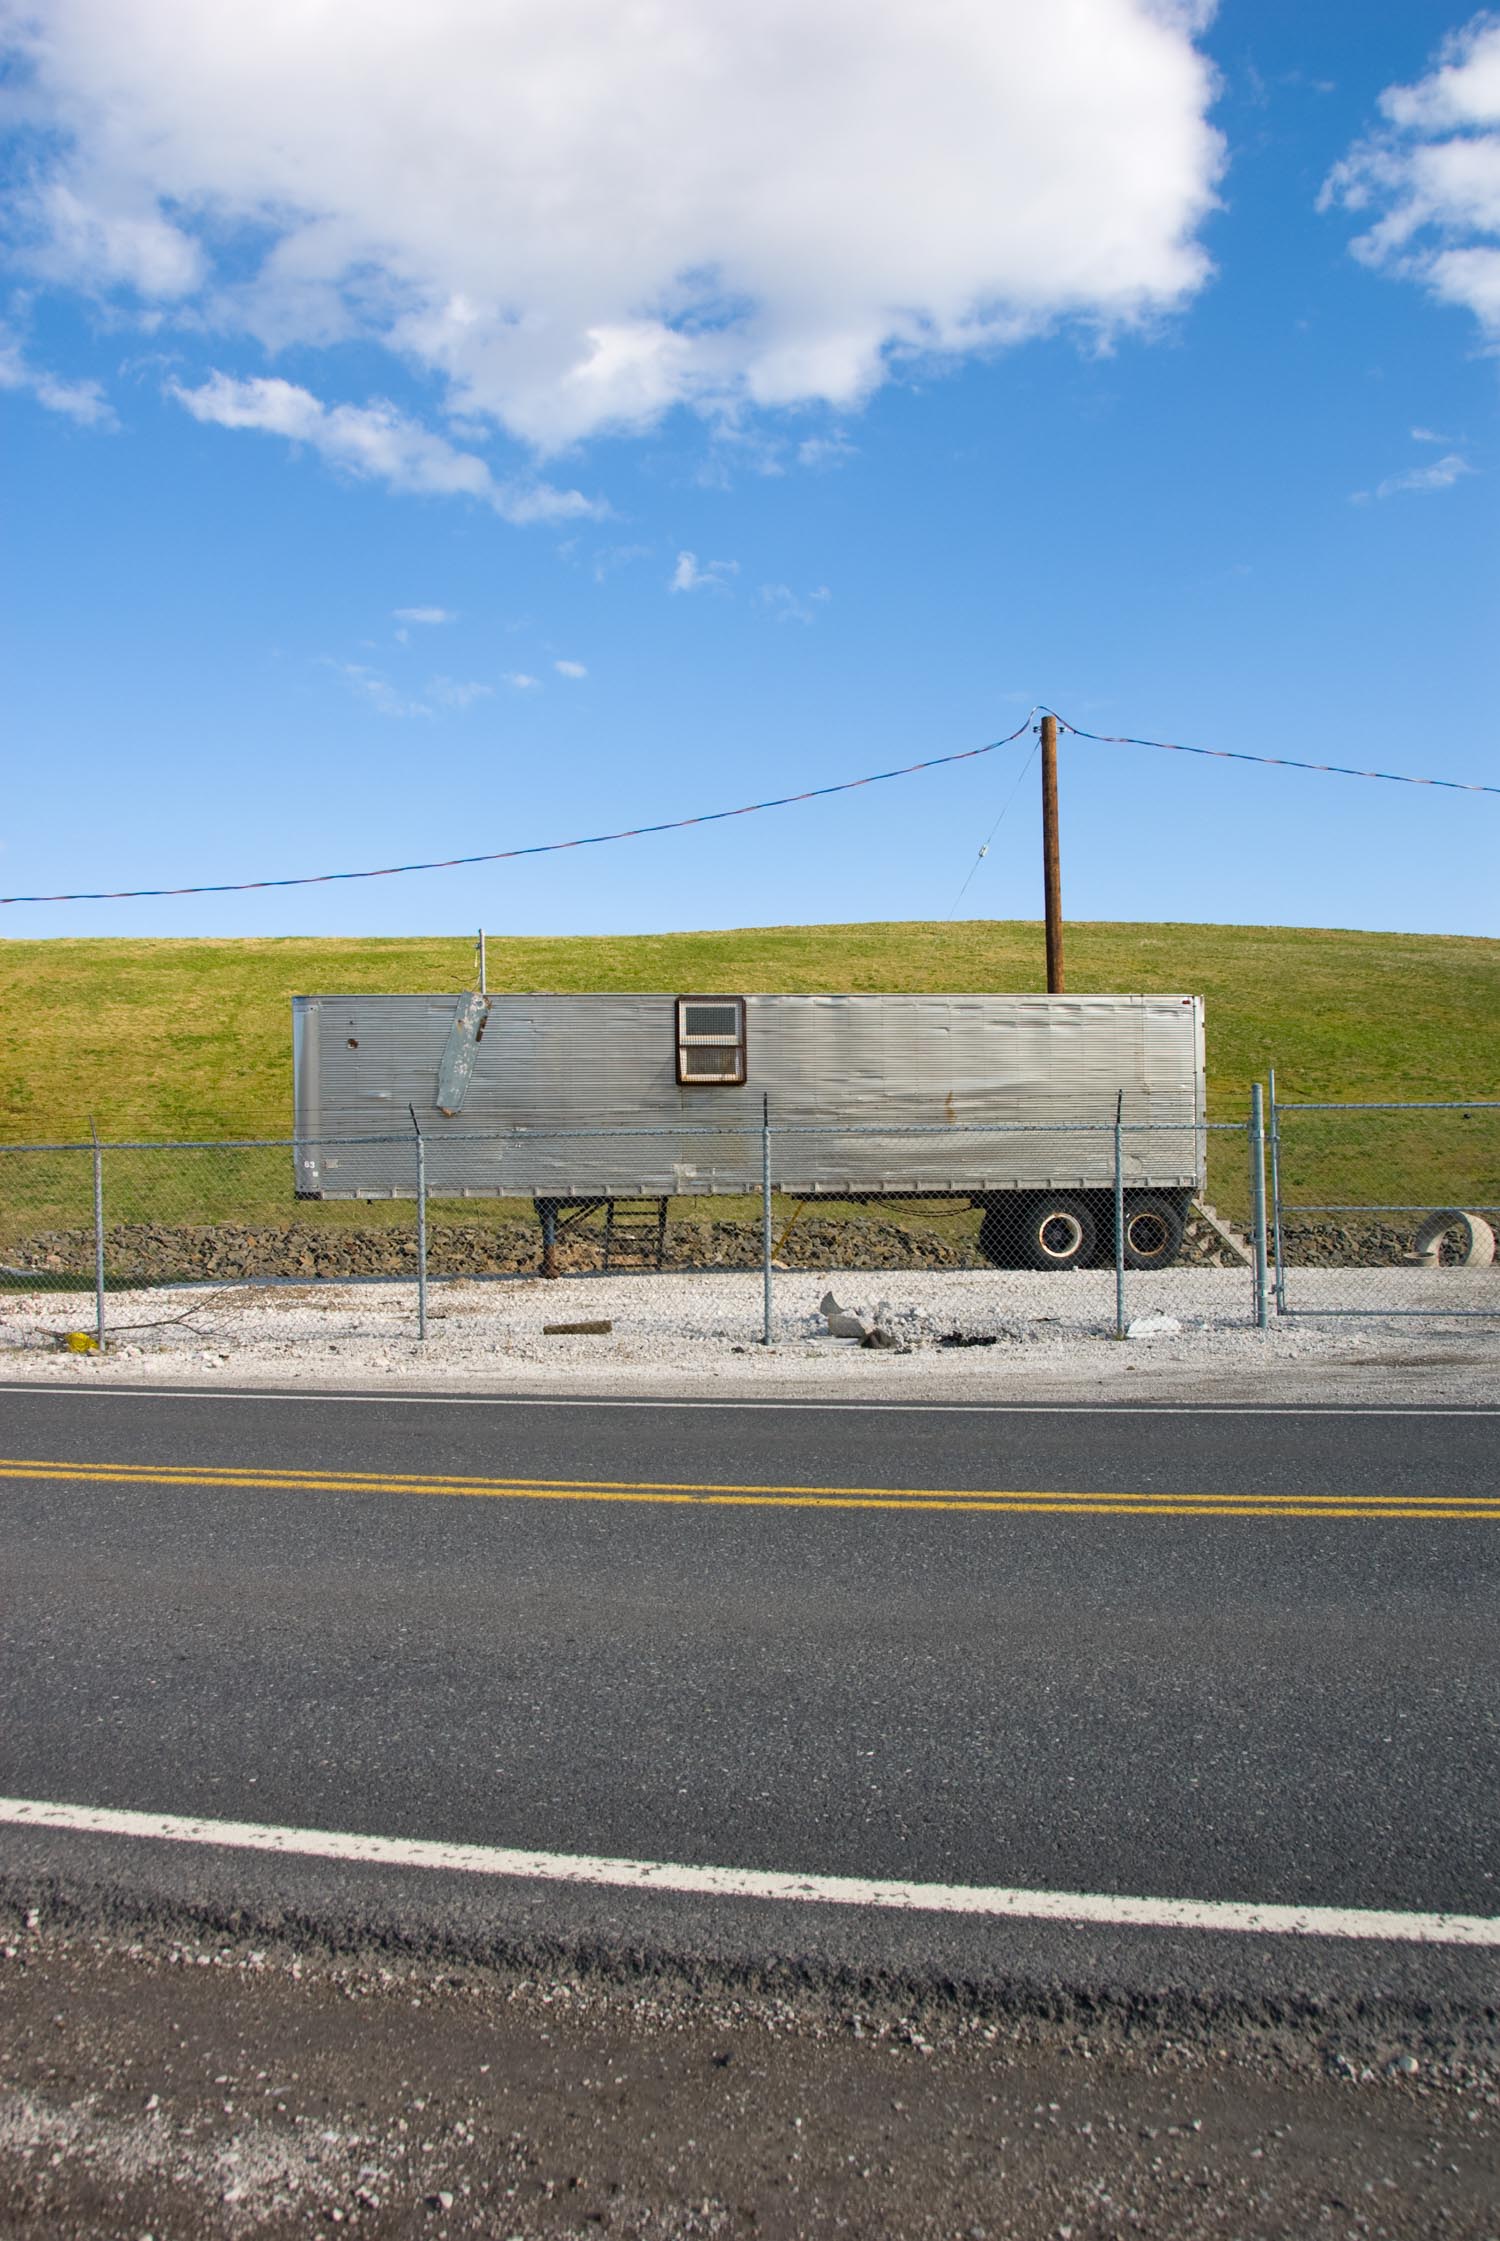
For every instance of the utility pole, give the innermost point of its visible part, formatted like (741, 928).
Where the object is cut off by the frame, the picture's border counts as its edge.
(483, 982)
(1051, 866)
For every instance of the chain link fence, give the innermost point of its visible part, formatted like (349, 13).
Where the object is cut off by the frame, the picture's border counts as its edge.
(1120, 1240)
(190, 1249)
(677, 1244)
(1386, 1209)
(673, 1243)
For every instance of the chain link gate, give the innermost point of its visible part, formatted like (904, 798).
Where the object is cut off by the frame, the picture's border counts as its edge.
(1386, 1209)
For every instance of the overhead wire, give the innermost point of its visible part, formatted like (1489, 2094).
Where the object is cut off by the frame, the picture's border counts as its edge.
(984, 847)
(1281, 762)
(750, 809)
(540, 848)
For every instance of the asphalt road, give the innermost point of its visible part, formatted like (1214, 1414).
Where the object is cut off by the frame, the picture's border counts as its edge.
(854, 1665)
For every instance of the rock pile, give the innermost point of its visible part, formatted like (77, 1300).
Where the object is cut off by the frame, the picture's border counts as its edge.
(148, 1253)
(163, 1253)
(225, 1252)
(1357, 1244)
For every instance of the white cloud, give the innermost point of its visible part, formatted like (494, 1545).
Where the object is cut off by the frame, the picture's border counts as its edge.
(1429, 177)
(793, 606)
(448, 692)
(83, 401)
(423, 615)
(570, 669)
(1427, 436)
(712, 575)
(521, 682)
(825, 451)
(375, 442)
(1427, 478)
(610, 557)
(577, 214)
(377, 691)
(739, 447)
(1441, 475)
(124, 241)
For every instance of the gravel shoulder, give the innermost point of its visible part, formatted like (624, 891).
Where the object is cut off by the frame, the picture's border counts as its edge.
(165, 2087)
(961, 1335)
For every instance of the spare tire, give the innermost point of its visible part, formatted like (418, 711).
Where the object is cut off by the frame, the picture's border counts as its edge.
(1054, 1229)
(1154, 1227)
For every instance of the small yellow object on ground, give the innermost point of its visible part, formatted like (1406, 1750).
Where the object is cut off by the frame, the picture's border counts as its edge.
(81, 1342)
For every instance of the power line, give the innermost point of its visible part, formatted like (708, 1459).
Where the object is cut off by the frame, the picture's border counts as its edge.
(541, 848)
(1281, 762)
(747, 809)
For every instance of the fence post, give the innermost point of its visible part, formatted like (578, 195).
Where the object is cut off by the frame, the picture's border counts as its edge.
(98, 1237)
(1280, 1279)
(765, 1217)
(1258, 1201)
(1119, 1214)
(421, 1225)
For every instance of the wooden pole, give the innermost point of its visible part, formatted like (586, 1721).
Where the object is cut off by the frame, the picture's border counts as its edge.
(1051, 865)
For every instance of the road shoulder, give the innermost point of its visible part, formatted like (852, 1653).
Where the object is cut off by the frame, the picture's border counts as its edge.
(196, 2084)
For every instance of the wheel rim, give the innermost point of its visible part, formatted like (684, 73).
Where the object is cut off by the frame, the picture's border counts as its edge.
(1149, 1235)
(1060, 1236)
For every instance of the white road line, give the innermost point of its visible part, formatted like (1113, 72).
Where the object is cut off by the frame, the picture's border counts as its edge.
(758, 1883)
(862, 1407)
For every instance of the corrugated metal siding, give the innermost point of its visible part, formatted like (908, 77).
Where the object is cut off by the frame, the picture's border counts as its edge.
(550, 1062)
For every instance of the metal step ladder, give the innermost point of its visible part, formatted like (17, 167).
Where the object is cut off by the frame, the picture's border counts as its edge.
(637, 1229)
(1235, 1239)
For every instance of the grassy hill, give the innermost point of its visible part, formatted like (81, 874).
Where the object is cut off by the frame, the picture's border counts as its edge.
(192, 1039)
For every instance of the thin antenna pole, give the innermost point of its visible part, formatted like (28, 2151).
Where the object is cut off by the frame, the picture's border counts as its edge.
(1051, 863)
(479, 945)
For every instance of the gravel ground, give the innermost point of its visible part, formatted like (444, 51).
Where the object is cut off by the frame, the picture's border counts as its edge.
(164, 2090)
(989, 1334)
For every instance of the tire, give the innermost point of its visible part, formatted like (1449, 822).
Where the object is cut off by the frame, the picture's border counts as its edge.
(1000, 1221)
(1054, 1229)
(1154, 1226)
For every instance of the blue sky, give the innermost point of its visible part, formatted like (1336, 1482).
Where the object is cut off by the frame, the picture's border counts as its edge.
(331, 544)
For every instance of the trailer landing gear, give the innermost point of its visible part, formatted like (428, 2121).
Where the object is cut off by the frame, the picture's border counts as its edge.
(635, 1228)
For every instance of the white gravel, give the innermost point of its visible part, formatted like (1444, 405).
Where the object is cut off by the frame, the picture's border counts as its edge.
(688, 1334)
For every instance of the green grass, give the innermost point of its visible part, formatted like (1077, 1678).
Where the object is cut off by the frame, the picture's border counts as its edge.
(192, 1039)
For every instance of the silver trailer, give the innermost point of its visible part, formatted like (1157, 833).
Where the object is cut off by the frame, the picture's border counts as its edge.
(573, 1100)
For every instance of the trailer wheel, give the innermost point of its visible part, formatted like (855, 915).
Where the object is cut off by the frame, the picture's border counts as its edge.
(1001, 1221)
(1154, 1228)
(1055, 1230)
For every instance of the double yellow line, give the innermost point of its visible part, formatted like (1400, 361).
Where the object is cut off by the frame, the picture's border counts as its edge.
(1438, 1509)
